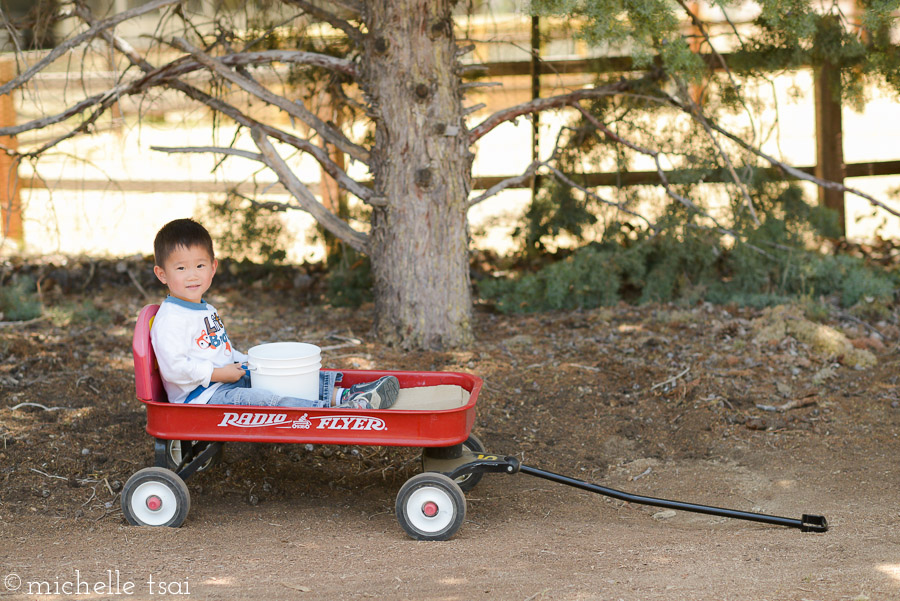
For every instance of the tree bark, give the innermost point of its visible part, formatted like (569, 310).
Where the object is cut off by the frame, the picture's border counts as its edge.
(421, 167)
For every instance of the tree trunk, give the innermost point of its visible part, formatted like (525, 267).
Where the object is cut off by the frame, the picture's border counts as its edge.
(421, 167)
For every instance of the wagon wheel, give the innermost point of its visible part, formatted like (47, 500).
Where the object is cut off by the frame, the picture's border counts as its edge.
(431, 506)
(155, 496)
(468, 482)
(174, 456)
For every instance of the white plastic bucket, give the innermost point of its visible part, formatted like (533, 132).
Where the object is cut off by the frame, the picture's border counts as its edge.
(286, 368)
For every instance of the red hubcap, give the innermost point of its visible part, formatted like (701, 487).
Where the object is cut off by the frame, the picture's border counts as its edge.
(430, 509)
(154, 503)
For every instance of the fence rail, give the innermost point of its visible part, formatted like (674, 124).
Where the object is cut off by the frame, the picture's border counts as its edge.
(828, 143)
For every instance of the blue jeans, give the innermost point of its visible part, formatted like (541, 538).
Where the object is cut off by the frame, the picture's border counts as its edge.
(240, 393)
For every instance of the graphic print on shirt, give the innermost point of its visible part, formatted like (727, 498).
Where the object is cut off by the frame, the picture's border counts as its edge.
(214, 335)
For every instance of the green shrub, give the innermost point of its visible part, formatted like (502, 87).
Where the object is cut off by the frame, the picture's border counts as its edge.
(84, 312)
(687, 268)
(19, 300)
(587, 279)
(685, 258)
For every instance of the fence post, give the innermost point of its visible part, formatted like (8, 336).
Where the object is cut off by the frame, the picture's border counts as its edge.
(10, 201)
(829, 139)
(333, 196)
(535, 94)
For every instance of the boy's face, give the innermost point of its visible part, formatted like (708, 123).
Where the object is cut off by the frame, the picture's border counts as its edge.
(188, 272)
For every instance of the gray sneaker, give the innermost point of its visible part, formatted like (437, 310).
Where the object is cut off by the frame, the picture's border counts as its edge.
(357, 402)
(380, 394)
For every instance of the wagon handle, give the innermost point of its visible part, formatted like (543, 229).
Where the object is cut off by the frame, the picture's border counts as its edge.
(510, 465)
(808, 523)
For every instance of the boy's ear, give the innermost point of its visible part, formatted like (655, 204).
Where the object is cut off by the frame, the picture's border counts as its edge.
(215, 265)
(160, 274)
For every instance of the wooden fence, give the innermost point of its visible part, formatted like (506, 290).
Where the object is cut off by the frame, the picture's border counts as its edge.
(829, 145)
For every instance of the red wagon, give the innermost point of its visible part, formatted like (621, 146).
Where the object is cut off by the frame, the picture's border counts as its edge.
(435, 411)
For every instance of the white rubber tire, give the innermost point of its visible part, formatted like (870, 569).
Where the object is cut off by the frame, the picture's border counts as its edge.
(431, 506)
(155, 496)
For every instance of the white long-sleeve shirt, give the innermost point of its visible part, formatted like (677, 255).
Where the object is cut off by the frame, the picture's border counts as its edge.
(190, 341)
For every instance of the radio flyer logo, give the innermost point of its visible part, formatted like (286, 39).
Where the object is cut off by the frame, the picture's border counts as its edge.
(350, 422)
(301, 424)
(249, 419)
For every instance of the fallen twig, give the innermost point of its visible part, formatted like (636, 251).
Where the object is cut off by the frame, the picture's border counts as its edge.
(672, 379)
(868, 326)
(347, 341)
(44, 407)
(332, 347)
(37, 471)
(92, 497)
(46, 475)
(587, 367)
(642, 474)
(792, 404)
(14, 324)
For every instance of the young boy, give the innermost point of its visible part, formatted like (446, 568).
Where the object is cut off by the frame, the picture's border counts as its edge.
(197, 360)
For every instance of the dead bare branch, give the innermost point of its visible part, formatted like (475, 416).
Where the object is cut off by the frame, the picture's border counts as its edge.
(543, 104)
(480, 84)
(138, 285)
(299, 57)
(77, 40)
(473, 109)
(334, 224)
(654, 154)
(792, 171)
(176, 69)
(319, 13)
(321, 155)
(53, 119)
(618, 205)
(295, 109)
(667, 186)
(253, 156)
(696, 113)
(507, 183)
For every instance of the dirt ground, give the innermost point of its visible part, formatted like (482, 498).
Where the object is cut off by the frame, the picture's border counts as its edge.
(686, 404)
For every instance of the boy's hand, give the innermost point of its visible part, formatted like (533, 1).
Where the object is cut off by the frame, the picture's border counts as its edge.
(229, 373)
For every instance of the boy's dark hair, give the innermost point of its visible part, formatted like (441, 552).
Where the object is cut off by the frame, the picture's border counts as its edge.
(181, 232)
